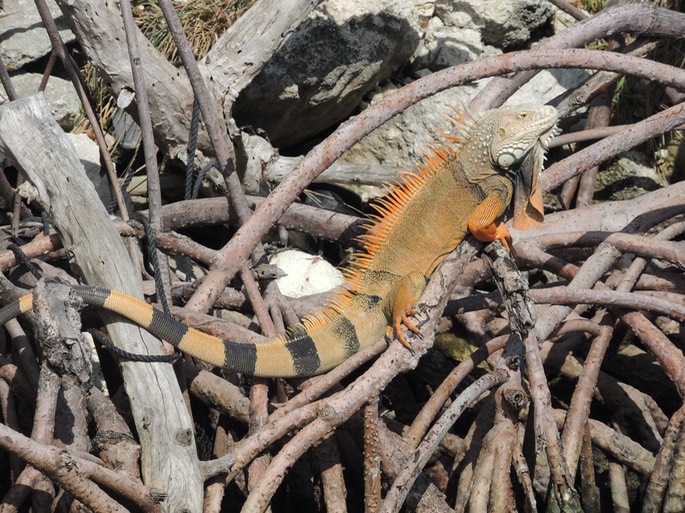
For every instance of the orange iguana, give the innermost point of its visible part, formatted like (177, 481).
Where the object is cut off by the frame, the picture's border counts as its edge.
(462, 187)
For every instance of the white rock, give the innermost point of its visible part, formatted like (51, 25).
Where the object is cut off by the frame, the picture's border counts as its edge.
(89, 154)
(60, 94)
(23, 36)
(547, 85)
(305, 274)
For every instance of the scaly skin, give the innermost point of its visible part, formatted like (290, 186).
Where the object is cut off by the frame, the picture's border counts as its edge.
(463, 187)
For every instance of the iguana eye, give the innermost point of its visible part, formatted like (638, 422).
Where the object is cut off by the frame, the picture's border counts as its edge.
(506, 159)
(523, 115)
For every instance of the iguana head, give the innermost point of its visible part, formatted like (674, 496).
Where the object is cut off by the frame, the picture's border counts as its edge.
(518, 141)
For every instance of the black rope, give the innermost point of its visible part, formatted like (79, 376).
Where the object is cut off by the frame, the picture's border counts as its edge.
(133, 357)
(45, 219)
(154, 261)
(192, 148)
(129, 172)
(24, 260)
(201, 176)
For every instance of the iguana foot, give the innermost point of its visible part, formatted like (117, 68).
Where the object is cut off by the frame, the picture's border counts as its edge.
(406, 294)
(396, 328)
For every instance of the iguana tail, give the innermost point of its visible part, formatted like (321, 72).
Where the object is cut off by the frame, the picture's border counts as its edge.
(293, 355)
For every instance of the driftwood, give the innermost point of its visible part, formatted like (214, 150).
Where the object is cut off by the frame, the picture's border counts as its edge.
(36, 144)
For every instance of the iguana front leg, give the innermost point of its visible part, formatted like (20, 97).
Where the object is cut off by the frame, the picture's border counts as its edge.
(402, 303)
(485, 223)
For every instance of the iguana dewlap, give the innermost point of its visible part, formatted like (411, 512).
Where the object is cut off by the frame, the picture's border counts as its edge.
(464, 186)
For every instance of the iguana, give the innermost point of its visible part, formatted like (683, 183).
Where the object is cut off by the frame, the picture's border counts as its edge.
(463, 186)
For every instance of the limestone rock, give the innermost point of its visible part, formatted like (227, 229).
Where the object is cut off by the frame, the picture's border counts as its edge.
(445, 45)
(627, 177)
(505, 25)
(23, 37)
(63, 100)
(325, 68)
(400, 141)
(455, 33)
(89, 155)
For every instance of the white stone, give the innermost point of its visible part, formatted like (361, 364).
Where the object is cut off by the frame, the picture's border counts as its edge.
(305, 274)
(23, 36)
(63, 100)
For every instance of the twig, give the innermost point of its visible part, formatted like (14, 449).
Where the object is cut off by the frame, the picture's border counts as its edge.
(637, 19)
(619, 488)
(655, 492)
(74, 474)
(327, 461)
(613, 145)
(77, 81)
(598, 115)
(588, 487)
(209, 290)
(216, 486)
(504, 438)
(474, 441)
(439, 397)
(570, 9)
(372, 459)
(676, 485)
(145, 122)
(579, 409)
(610, 298)
(619, 446)
(523, 475)
(30, 480)
(400, 488)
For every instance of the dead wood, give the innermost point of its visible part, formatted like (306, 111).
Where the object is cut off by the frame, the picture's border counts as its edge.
(102, 261)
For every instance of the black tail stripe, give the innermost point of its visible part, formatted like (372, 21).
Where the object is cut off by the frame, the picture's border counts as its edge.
(9, 312)
(93, 296)
(240, 358)
(167, 328)
(305, 355)
(347, 333)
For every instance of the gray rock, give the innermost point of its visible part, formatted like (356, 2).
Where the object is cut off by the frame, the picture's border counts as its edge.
(60, 94)
(547, 85)
(505, 25)
(325, 68)
(89, 155)
(446, 45)
(23, 37)
(627, 177)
